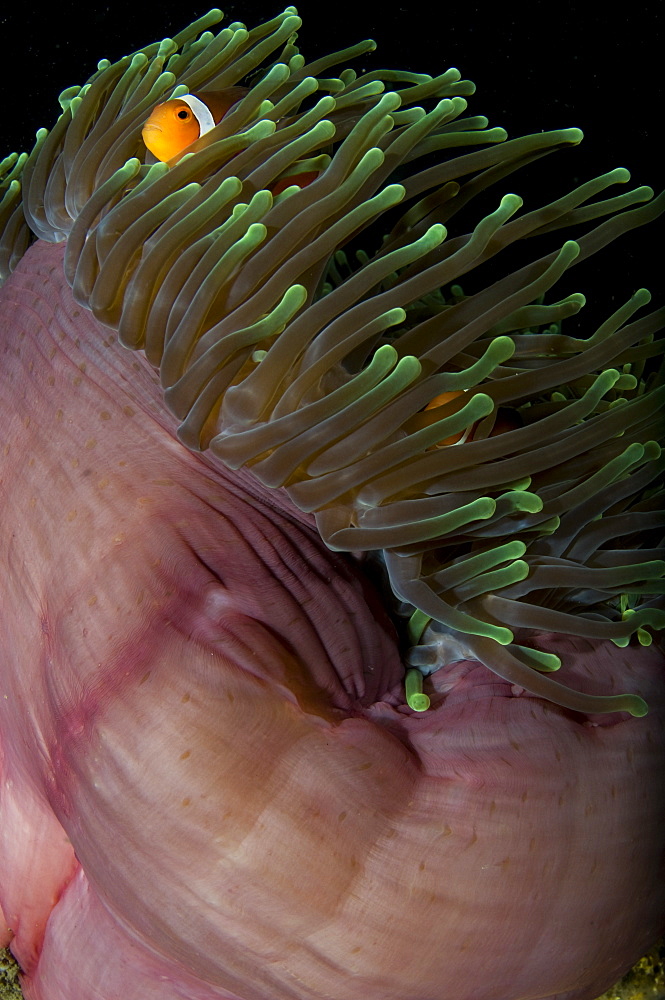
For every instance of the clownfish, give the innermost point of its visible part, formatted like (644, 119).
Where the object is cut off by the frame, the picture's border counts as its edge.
(176, 124)
(441, 400)
(506, 420)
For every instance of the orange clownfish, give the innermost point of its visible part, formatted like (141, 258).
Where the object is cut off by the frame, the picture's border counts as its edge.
(176, 124)
(506, 420)
(441, 400)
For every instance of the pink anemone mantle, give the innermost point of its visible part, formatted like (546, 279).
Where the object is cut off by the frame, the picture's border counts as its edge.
(210, 786)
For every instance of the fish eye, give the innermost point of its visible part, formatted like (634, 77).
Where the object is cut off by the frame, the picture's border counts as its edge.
(183, 114)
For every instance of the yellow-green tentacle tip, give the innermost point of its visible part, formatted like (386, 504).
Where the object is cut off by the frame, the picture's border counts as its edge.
(548, 527)
(621, 641)
(538, 660)
(415, 697)
(635, 705)
(643, 637)
(418, 622)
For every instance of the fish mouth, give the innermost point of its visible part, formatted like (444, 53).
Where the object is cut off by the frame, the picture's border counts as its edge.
(151, 128)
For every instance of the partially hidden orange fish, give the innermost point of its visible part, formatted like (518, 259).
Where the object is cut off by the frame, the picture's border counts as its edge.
(176, 124)
(506, 420)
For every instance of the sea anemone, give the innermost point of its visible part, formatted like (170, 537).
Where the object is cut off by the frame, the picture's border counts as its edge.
(355, 358)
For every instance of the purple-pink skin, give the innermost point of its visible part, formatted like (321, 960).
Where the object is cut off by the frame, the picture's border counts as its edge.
(210, 784)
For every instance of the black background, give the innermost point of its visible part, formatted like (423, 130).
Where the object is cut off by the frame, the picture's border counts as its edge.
(537, 67)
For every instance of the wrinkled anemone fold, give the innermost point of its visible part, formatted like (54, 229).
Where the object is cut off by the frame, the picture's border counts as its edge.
(530, 500)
